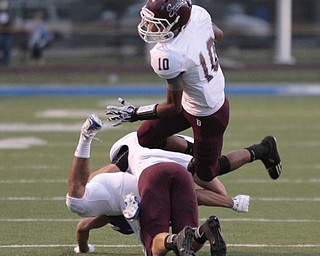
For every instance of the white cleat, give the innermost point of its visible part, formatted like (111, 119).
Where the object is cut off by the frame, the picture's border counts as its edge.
(132, 207)
(91, 126)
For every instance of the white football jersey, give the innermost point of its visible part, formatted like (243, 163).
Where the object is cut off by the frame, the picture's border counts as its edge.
(104, 195)
(140, 158)
(192, 52)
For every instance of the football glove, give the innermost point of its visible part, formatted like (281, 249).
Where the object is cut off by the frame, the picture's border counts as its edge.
(121, 115)
(241, 203)
(129, 113)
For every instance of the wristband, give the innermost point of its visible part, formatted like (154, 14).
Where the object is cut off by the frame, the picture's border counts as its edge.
(145, 113)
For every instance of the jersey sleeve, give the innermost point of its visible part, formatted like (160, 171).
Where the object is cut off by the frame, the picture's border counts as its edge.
(165, 63)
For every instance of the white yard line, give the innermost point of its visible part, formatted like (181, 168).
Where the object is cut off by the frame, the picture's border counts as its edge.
(263, 199)
(39, 220)
(136, 245)
(201, 219)
(26, 198)
(21, 143)
(68, 113)
(244, 181)
(285, 199)
(44, 127)
(280, 180)
(24, 127)
(32, 181)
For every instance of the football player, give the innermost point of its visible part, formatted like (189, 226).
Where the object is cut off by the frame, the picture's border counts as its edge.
(104, 193)
(101, 192)
(185, 55)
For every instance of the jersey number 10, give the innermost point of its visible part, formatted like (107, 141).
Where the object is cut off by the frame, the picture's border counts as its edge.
(214, 61)
(163, 64)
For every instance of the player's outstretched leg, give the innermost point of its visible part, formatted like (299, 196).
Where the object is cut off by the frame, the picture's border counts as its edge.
(80, 169)
(267, 152)
(183, 242)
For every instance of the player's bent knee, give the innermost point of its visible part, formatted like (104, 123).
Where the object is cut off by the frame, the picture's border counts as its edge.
(225, 165)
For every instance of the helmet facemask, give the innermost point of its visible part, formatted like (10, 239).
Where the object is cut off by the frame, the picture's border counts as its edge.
(152, 29)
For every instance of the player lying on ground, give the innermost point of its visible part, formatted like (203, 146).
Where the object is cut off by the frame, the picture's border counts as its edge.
(98, 197)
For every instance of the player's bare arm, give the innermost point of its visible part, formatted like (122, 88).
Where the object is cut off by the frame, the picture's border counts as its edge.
(84, 227)
(172, 106)
(218, 33)
(130, 113)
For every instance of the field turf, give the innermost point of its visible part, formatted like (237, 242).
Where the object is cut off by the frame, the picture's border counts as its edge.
(37, 141)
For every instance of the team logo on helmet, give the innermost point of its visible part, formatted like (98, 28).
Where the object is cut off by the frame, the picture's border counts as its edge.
(161, 20)
(173, 9)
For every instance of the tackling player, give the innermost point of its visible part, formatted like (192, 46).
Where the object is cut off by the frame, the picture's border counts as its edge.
(185, 55)
(104, 194)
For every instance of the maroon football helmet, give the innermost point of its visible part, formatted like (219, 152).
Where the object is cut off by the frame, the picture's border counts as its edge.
(161, 20)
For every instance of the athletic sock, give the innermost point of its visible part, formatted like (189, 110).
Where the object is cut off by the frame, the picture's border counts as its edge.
(168, 242)
(199, 235)
(83, 148)
(258, 151)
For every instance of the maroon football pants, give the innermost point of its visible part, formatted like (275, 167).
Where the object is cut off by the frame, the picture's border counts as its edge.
(168, 198)
(208, 134)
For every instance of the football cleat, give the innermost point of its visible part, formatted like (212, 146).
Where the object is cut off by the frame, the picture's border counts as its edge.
(132, 207)
(90, 249)
(212, 231)
(91, 126)
(272, 161)
(183, 242)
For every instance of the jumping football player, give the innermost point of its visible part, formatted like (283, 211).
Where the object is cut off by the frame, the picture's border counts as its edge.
(185, 55)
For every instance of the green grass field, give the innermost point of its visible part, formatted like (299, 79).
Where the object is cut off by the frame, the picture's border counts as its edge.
(37, 141)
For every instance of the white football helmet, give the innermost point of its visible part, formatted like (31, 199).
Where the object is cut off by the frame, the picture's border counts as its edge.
(162, 20)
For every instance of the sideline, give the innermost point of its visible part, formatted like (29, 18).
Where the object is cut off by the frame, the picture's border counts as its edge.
(282, 89)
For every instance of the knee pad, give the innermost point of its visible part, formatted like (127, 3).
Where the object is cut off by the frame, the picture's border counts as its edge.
(189, 149)
(225, 165)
